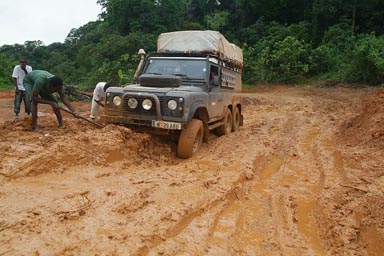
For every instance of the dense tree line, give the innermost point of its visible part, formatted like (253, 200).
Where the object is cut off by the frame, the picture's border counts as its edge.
(282, 40)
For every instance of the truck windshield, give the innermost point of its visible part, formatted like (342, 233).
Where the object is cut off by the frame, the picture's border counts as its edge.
(189, 69)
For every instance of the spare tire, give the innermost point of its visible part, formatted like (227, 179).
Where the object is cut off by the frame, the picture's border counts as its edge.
(149, 80)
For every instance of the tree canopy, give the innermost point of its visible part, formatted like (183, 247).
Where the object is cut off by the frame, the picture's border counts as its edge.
(282, 40)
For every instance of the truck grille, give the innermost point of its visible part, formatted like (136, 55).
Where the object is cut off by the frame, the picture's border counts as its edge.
(139, 110)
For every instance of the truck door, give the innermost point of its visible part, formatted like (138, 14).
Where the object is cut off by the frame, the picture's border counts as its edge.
(216, 98)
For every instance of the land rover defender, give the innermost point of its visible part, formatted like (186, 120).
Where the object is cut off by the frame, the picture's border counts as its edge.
(189, 87)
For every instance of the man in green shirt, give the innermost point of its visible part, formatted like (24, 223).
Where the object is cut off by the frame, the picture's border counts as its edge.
(39, 87)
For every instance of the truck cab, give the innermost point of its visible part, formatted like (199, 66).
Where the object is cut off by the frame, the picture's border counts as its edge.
(182, 92)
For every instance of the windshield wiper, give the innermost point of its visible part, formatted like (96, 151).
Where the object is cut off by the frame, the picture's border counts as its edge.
(177, 74)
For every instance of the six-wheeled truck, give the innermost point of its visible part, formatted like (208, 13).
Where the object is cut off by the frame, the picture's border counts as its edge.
(189, 87)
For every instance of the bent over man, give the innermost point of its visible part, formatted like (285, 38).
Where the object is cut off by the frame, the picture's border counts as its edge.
(99, 96)
(40, 86)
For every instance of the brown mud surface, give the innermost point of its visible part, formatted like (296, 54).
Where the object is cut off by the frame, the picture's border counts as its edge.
(303, 176)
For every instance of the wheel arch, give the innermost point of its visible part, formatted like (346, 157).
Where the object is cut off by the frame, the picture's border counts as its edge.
(201, 113)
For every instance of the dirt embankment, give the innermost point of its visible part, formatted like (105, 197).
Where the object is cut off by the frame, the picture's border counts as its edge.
(303, 176)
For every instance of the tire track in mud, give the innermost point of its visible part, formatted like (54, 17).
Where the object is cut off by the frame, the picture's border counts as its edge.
(253, 143)
(307, 171)
(260, 190)
(225, 221)
(207, 214)
(275, 213)
(356, 159)
(281, 230)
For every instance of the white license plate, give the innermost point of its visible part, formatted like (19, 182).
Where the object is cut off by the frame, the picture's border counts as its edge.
(166, 125)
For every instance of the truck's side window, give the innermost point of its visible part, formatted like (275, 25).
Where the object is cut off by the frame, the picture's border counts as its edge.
(214, 76)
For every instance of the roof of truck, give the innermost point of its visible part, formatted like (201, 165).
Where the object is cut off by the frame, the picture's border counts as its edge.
(200, 41)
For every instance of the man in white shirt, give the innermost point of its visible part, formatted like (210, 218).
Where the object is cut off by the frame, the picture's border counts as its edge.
(99, 95)
(18, 75)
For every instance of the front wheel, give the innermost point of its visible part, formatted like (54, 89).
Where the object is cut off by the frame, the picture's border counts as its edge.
(190, 139)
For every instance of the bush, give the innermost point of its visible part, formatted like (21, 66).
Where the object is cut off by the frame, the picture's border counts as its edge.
(252, 71)
(6, 68)
(281, 55)
(366, 60)
(324, 59)
(285, 61)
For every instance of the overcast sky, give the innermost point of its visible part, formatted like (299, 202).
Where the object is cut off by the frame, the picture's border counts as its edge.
(46, 20)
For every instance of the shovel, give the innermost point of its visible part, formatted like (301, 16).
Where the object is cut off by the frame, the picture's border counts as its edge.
(81, 117)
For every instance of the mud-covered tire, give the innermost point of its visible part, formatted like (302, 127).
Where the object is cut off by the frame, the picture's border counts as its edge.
(149, 80)
(236, 120)
(190, 139)
(226, 128)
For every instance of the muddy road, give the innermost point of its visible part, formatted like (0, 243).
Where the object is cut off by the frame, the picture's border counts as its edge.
(303, 176)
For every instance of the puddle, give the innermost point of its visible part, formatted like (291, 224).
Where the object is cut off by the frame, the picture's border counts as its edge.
(109, 232)
(307, 225)
(308, 141)
(339, 165)
(327, 144)
(237, 224)
(271, 168)
(375, 241)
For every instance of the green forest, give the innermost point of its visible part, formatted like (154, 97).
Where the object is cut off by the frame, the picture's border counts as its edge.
(283, 41)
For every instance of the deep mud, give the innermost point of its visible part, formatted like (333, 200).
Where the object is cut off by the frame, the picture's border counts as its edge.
(303, 176)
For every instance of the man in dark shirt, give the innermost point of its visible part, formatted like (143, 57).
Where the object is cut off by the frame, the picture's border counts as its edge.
(40, 86)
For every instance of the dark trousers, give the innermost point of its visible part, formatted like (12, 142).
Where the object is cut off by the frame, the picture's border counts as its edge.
(19, 97)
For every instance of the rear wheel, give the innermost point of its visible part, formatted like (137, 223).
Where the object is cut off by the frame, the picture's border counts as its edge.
(236, 120)
(190, 139)
(227, 126)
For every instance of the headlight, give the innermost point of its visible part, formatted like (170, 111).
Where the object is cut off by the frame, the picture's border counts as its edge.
(117, 100)
(132, 103)
(147, 104)
(172, 105)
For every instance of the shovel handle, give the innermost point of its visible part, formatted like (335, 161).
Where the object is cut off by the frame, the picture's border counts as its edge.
(81, 117)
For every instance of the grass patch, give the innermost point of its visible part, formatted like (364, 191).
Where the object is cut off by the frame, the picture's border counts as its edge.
(248, 86)
(6, 87)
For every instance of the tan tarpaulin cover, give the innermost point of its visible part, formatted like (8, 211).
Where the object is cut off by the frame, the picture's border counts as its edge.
(206, 41)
